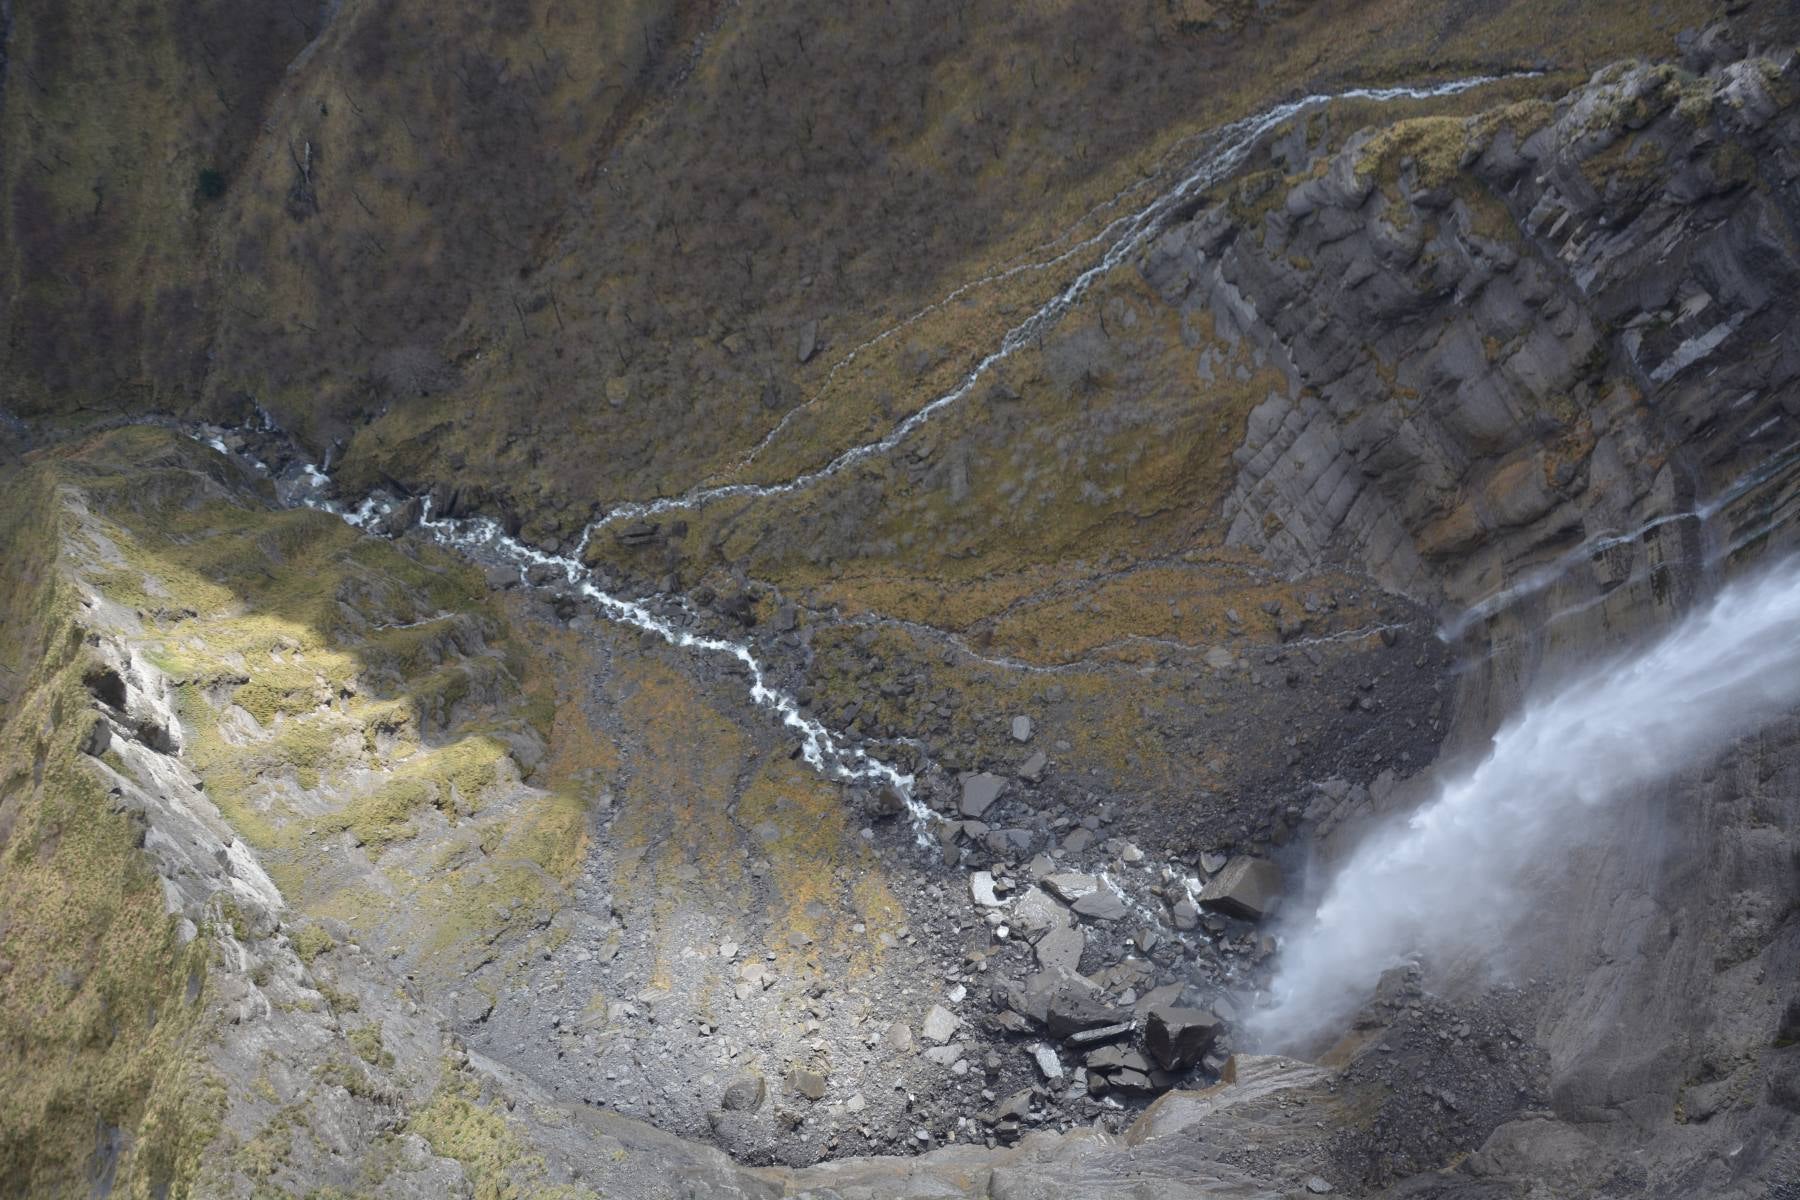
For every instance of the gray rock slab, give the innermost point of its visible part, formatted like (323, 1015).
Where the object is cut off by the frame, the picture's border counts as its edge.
(980, 792)
(940, 1024)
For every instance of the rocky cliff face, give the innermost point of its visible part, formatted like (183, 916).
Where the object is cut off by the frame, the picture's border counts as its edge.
(866, 804)
(1516, 384)
(1497, 332)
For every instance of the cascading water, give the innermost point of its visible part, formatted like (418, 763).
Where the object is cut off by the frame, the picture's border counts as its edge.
(1540, 578)
(1447, 880)
(1231, 145)
(482, 538)
(821, 750)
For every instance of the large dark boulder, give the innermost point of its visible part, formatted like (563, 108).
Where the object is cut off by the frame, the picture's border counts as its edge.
(1176, 1037)
(1247, 888)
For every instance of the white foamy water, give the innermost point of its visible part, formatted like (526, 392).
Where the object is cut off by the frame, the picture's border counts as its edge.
(822, 750)
(484, 540)
(1230, 145)
(1450, 880)
(833, 755)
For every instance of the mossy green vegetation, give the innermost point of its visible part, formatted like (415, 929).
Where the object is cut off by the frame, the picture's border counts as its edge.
(460, 292)
(321, 715)
(1434, 147)
(1012, 160)
(310, 941)
(1107, 439)
(99, 997)
(460, 1124)
(331, 685)
(366, 1041)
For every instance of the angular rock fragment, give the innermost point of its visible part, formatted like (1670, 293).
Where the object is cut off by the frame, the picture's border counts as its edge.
(962, 831)
(1100, 1035)
(1169, 994)
(740, 607)
(1015, 1107)
(810, 1084)
(1175, 1038)
(1117, 1058)
(981, 890)
(1008, 1021)
(638, 533)
(1185, 914)
(1247, 887)
(944, 1056)
(889, 802)
(1069, 1012)
(980, 792)
(1061, 949)
(1077, 840)
(1031, 999)
(1071, 886)
(940, 1024)
(1009, 842)
(1037, 913)
(1103, 904)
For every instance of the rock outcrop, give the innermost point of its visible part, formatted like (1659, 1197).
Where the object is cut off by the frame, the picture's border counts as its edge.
(1531, 374)
(1495, 330)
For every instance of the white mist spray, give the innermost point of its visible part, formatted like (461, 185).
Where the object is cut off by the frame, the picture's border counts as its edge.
(1447, 880)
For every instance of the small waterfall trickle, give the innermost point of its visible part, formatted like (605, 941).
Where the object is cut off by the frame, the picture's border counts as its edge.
(1227, 149)
(1537, 579)
(834, 755)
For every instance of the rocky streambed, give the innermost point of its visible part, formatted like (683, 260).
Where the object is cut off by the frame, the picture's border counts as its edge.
(1065, 955)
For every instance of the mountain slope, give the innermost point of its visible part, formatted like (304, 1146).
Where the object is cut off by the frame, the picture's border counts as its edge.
(1278, 449)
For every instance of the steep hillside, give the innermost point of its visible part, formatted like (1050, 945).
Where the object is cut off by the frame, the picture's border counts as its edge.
(546, 226)
(703, 599)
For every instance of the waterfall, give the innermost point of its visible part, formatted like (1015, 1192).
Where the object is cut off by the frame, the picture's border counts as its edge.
(833, 755)
(1449, 879)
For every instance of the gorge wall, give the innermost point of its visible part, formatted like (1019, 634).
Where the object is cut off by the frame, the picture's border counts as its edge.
(1286, 450)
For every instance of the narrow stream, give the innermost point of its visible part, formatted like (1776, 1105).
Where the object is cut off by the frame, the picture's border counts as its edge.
(1230, 146)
